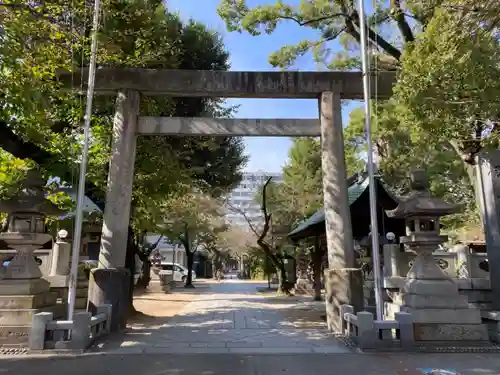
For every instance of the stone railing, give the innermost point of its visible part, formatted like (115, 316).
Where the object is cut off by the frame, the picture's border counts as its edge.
(369, 333)
(45, 256)
(76, 334)
(456, 264)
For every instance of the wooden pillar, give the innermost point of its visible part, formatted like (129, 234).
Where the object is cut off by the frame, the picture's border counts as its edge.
(342, 280)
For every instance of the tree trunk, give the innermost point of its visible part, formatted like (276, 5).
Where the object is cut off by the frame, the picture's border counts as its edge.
(317, 260)
(469, 163)
(190, 262)
(145, 277)
(284, 286)
(216, 263)
(130, 265)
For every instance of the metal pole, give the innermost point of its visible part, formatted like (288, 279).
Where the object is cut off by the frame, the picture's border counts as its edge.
(77, 237)
(371, 172)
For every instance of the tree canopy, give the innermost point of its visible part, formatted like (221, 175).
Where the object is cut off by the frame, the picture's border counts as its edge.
(40, 38)
(447, 94)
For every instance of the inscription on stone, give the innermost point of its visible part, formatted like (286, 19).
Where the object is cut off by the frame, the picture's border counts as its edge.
(8, 334)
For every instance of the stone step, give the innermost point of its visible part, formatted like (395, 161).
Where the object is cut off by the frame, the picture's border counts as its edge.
(10, 317)
(28, 302)
(83, 292)
(81, 303)
(82, 284)
(15, 287)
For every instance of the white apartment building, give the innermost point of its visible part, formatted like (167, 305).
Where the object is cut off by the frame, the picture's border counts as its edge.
(242, 198)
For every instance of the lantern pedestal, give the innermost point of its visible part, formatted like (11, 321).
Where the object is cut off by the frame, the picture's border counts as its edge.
(23, 293)
(439, 312)
(20, 299)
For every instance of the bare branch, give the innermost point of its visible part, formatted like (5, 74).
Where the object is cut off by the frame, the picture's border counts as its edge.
(376, 38)
(399, 17)
(242, 213)
(267, 216)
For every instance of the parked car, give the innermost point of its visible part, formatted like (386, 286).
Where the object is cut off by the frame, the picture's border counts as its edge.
(180, 272)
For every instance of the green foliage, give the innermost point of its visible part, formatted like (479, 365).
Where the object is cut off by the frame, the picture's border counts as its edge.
(447, 54)
(334, 21)
(301, 193)
(191, 218)
(12, 172)
(450, 76)
(402, 147)
(39, 39)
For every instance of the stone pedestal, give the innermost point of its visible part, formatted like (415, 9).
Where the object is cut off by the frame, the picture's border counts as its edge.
(111, 286)
(60, 285)
(20, 299)
(439, 312)
(337, 294)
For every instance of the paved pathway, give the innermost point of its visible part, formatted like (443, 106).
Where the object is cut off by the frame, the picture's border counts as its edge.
(262, 364)
(232, 317)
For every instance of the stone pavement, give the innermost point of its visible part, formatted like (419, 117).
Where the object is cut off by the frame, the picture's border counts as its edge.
(261, 364)
(230, 330)
(232, 317)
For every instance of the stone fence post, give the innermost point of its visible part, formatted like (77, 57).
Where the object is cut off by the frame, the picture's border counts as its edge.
(39, 321)
(106, 309)
(80, 334)
(344, 309)
(406, 333)
(367, 334)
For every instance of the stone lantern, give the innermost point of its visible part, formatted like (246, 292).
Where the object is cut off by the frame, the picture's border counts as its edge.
(23, 292)
(439, 312)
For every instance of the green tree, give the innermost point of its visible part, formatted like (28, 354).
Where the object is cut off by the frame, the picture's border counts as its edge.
(134, 34)
(447, 90)
(228, 242)
(39, 121)
(270, 233)
(450, 80)
(191, 218)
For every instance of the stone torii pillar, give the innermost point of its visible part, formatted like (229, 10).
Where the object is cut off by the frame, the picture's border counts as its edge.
(343, 281)
(110, 281)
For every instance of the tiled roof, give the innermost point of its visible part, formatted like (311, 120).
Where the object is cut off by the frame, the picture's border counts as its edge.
(354, 191)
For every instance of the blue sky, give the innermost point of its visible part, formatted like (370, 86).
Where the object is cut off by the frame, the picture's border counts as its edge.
(251, 53)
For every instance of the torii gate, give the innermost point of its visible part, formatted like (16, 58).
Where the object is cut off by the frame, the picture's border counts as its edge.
(329, 88)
